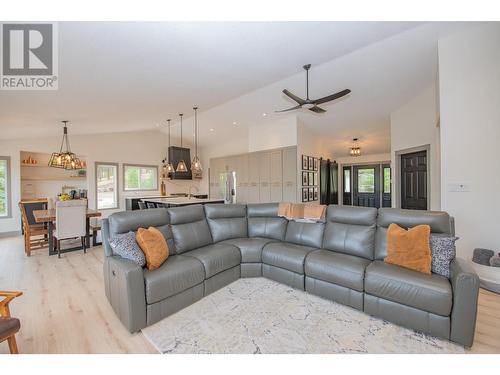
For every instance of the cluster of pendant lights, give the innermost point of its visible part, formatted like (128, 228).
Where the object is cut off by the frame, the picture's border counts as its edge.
(65, 159)
(355, 150)
(196, 168)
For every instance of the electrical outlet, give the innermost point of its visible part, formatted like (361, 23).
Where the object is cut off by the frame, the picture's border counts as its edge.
(459, 187)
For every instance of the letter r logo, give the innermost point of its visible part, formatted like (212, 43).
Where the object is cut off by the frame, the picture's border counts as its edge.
(27, 49)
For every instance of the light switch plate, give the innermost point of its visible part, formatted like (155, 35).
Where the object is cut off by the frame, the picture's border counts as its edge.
(459, 187)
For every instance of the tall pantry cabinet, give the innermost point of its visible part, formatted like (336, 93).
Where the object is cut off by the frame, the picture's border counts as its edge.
(261, 177)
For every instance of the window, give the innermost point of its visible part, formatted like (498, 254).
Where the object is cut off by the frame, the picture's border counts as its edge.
(140, 177)
(347, 180)
(366, 180)
(4, 186)
(106, 185)
(387, 180)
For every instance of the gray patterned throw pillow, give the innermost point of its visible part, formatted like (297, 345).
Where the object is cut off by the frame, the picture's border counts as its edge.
(443, 252)
(126, 246)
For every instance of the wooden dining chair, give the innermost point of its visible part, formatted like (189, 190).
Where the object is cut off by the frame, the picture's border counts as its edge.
(35, 235)
(9, 326)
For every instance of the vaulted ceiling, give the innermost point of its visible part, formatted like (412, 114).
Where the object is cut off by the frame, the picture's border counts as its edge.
(133, 76)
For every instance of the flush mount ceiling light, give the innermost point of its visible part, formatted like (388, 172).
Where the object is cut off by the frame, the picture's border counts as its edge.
(196, 164)
(168, 168)
(65, 159)
(181, 166)
(355, 150)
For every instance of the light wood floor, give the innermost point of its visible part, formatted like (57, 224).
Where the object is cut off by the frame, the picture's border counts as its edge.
(64, 309)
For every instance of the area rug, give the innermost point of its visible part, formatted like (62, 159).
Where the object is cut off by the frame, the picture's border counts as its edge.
(258, 315)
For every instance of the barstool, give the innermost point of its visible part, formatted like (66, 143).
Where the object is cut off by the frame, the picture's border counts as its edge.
(142, 205)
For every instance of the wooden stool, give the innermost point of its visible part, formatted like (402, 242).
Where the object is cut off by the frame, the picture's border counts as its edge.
(95, 226)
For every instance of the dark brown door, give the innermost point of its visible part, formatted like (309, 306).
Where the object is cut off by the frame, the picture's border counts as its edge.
(414, 181)
(366, 185)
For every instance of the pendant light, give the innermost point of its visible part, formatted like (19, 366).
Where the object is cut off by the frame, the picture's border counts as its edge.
(196, 164)
(181, 167)
(355, 149)
(65, 159)
(168, 168)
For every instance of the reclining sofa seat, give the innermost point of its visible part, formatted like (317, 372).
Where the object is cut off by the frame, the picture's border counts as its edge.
(428, 303)
(341, 260)
(192, 237)
(284, 261)
(337, 270)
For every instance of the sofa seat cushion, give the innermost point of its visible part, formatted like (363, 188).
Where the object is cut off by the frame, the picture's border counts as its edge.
(250, 248)
(286, 255)
(177, 274)
(341, 269)
(431, 293)
(216, 258)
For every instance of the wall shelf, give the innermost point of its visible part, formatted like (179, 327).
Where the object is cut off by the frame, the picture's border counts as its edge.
(54, 178)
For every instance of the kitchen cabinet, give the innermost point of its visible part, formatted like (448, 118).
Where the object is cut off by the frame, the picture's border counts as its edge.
(253, 178)
(265, 177)
(276, 172)
(290, 175)
(261, 177)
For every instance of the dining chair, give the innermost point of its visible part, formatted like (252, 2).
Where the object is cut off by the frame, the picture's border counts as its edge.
(35, 235)
(9, 326)
(150, 205)
(71, 222)
(142, 205)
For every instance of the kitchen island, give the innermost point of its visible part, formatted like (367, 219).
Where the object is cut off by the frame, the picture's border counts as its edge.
(179, 201)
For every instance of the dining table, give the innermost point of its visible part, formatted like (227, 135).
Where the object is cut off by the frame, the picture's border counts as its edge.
(49, 217)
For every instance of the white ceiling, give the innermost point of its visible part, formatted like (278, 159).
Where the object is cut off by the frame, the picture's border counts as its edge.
(132, 76)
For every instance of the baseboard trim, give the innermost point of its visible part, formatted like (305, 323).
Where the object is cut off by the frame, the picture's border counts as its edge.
(10, 234)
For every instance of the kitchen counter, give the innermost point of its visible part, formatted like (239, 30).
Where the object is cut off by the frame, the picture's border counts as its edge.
(181, 201)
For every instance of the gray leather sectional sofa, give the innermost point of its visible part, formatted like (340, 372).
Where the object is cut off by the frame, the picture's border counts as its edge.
(341, 260)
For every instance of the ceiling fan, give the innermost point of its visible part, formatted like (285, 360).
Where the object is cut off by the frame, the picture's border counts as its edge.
(312, 104)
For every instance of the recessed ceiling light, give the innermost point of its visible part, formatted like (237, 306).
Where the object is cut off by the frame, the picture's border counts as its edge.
(212, 129)
(264, 114)
(235, 123)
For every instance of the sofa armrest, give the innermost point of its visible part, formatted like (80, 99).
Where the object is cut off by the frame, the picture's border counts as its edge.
(105, 238)
(124, 286)
(465, 286)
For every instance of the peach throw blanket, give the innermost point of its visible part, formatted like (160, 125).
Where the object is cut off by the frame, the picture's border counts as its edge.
(294, 211)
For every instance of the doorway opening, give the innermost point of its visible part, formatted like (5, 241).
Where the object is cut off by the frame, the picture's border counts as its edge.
(367, 185)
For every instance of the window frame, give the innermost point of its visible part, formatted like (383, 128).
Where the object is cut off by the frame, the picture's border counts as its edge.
(155, 167)
(8, 188)
(117, 178)
(374, 187)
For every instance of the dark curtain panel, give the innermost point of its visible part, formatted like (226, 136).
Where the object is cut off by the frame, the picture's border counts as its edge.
(328, 184)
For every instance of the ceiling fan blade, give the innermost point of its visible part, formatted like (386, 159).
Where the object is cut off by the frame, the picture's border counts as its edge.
(290, 109)
(294, 97)
(332, 97)
(317, 109)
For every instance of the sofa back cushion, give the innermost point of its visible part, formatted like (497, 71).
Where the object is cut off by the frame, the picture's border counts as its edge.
(263, 221)
(126, 221)
(307, 234)
(440, 223)
(226, 221)
(189, 228)
(351, 230)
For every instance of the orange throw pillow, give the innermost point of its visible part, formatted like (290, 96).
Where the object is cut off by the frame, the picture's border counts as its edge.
(154, 246)
(409, 248)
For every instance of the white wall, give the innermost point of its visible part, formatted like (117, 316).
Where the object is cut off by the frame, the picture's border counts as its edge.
(280, 133)
(147, 147)
(469, 82)
(415, 125)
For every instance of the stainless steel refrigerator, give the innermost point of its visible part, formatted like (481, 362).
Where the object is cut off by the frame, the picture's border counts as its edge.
(228, 184)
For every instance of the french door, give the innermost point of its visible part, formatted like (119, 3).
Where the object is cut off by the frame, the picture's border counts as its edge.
(367, 185)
